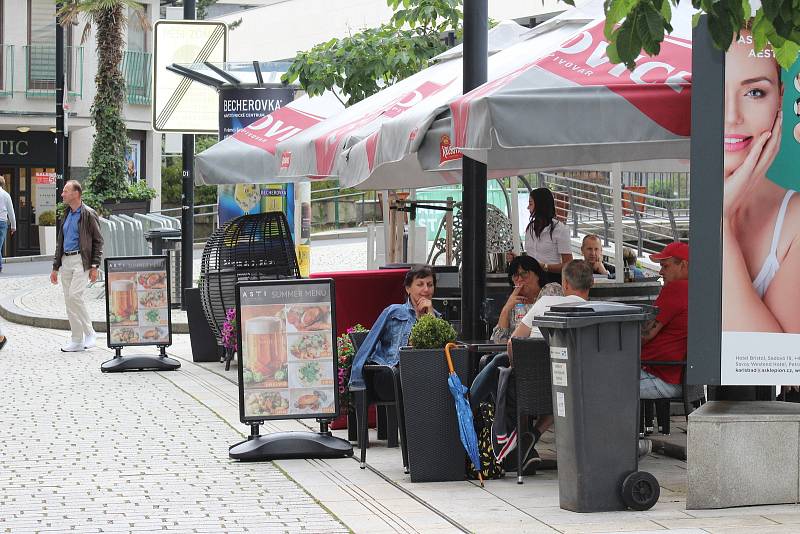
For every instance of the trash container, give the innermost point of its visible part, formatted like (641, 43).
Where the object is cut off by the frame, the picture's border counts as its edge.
(167, 241)
(172, 248)
(594, 362)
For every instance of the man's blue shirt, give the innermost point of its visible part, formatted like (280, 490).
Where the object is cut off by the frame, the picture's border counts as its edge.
(382, 345)
(71, 233)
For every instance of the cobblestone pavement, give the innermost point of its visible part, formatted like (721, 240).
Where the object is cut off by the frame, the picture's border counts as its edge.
(127, 452)
(41, 298)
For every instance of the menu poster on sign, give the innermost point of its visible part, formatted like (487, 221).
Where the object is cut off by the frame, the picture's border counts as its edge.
(45, 194)
(288, 350)
(138, 301)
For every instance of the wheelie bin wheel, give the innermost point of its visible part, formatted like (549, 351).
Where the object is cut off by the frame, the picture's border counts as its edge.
(640, 490)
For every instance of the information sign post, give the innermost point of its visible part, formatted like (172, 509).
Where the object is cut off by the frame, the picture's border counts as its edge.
(138, 312)
(287, 354)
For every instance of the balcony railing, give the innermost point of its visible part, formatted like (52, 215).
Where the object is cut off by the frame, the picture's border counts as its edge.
(40, 70)
(137, 68)
(6, 70)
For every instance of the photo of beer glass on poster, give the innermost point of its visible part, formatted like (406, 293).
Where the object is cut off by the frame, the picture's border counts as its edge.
(761, 210)
(287, 350)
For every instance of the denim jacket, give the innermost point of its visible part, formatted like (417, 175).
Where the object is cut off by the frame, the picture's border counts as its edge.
(382, 345)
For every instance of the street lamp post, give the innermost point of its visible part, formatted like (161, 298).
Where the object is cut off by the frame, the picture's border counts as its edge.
(60, 140)
(187, 193)
(473, 255)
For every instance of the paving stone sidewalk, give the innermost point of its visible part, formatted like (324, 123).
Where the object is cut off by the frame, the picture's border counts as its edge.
(126, 452)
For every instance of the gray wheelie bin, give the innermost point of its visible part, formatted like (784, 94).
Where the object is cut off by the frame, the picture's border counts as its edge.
(594, 362)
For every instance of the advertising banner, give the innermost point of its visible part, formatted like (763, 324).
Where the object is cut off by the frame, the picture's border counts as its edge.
(287, 347)
(760, 218)
(45, 194)
(138, 301)
(240, 107)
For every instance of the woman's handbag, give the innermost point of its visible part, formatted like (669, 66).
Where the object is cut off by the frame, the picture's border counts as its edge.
(490, 467)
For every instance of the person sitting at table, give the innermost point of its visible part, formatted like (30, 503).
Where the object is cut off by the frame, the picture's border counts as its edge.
(527, 278)
(391, 330)
(629, 257)
(665, 337)
(576, 279)
(592, 251)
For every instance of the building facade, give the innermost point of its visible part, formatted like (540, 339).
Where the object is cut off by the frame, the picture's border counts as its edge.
(27, 105)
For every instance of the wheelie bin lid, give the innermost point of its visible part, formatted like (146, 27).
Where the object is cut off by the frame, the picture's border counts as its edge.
(579, 314)
(162, 232)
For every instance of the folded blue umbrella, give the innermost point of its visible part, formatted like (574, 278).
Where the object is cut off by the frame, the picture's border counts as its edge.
(466, 427)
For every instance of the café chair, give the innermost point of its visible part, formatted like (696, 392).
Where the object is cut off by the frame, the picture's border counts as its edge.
(533, 384)
(395, 418)
(691, 397)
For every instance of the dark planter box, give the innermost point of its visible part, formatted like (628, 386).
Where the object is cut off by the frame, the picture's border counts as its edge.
(435, 453)
(204, 344)
(127, 207)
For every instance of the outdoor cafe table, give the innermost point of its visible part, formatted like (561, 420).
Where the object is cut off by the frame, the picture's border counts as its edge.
(476, 349)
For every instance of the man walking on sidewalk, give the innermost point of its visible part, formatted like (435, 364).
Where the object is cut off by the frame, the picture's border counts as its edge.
(7, 219)
(78, 250)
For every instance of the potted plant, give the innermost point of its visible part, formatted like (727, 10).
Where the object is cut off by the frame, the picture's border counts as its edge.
(47, 233)
(434, 447)
(345, 351)
(229, 339)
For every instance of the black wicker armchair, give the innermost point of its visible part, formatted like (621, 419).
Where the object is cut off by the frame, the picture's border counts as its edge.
(250, 247)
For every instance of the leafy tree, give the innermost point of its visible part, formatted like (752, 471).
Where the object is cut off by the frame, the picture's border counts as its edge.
(171, 178)
(107, 158)
(365, 62)
(633, 26)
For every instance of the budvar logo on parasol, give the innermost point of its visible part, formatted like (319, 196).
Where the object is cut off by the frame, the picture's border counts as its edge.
(278, 126)
(447, 152)
(286, 159)
(649, 86)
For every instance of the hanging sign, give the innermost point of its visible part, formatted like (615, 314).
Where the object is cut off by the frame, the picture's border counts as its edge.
(287, 350)
(138, 301)
(45, 194)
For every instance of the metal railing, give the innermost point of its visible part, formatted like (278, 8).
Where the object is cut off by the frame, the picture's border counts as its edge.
(136, 67)
(648, 221)
(6, 70)
(40, 70)
(344, 202)
(206, 214)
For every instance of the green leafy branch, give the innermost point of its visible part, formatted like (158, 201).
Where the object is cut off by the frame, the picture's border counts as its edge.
(636, 26)
(362, 64)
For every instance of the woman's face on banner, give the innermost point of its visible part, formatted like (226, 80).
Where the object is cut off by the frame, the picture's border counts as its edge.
(752, 99)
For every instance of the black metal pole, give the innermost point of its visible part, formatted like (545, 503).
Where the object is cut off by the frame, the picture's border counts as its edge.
(187, 194)
(473, 251)
(60, 138)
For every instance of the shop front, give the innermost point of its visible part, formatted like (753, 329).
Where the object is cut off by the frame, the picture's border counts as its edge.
(26, 158)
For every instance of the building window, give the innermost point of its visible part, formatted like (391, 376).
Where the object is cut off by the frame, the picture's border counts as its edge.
(41, 54)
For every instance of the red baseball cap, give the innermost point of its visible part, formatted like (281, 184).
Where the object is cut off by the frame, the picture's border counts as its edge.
(673, 250)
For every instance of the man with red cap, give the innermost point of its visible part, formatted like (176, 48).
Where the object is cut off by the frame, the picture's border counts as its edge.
(665, 337)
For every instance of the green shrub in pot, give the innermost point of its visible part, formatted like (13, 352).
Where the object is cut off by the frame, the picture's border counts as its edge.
(47, 218)
(430, 332)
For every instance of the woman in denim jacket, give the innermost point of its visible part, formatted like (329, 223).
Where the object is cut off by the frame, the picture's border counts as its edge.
(391, 331)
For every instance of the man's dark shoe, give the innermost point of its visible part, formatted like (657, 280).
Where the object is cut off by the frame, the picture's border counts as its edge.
(530, 457)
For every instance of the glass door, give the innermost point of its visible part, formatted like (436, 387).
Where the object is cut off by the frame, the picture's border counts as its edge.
(8, 174)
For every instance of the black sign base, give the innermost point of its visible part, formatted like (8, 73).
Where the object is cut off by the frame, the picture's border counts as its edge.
(288, 445)
(139, 362)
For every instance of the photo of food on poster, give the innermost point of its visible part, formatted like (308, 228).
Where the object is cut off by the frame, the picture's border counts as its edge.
(760, 217)
(287, 349)
(137, 301)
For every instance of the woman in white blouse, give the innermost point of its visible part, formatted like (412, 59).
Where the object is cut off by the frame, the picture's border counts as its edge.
(546, 238)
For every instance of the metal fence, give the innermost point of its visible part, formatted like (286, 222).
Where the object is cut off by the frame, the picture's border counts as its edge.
(205, 219)
(40, 70)
(648, 221)
(136, 68)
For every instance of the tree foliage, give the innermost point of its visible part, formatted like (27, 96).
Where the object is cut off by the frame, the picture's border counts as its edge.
(635, 26)
(363, 63)
(107, 170)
